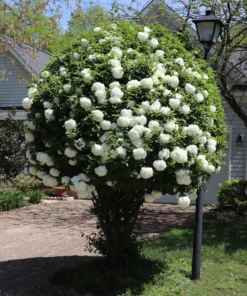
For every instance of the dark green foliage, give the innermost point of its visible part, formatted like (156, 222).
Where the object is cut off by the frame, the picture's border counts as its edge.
(14, 199)
(25, 182)
(35, 196)
(10, 200)
(234, 194)
(12, 146)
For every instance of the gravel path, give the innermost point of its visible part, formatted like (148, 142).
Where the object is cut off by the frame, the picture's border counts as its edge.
(36, 241)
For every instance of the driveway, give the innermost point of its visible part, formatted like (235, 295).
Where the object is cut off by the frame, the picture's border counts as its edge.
(36, 241)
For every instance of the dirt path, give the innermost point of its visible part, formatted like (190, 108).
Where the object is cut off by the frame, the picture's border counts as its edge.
(36, 241)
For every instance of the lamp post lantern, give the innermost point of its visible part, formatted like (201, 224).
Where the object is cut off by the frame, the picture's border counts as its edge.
(208, 29)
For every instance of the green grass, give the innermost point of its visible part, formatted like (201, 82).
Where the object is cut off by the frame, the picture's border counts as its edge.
(166, 267)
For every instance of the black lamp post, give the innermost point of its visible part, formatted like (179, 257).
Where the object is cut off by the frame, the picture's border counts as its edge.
(208, 29)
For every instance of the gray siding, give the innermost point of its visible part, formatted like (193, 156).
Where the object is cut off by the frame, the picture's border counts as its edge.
(14, 89)
(238, 153)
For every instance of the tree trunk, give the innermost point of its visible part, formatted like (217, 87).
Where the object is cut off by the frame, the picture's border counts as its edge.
(117, 213)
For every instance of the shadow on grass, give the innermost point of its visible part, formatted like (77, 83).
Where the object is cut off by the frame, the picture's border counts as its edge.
(219, 229)
(101, 277)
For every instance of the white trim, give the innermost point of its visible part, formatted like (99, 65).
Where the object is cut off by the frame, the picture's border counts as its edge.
(20, 115)
(229, 127)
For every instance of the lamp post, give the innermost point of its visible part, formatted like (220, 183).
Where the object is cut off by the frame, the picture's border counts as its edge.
(208, 29)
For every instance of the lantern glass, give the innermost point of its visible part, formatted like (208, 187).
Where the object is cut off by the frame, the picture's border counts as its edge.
(208, 31)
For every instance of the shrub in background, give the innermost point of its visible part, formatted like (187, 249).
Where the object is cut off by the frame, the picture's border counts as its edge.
(12, 199)
(128, 114)
(233, 193)
(12, 146)
(25, 182)
(35, 196)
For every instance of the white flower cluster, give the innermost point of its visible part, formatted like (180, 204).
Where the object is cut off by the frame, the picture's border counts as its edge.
(151, 197)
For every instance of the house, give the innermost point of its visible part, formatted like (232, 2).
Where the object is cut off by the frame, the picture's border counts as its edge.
(19, 64)
(235, 166)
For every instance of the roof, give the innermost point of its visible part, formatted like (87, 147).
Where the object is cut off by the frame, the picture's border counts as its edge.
(33, 59)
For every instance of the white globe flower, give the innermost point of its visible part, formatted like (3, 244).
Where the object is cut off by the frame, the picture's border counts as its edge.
(84, 43)
(183, 202)
(133, 84)
(101, 171)
(115, 63)
(98, 115)
(156, 194)
(121, 151)
(27, 103)
(192, 149)
(73, 162)
(153, 42)
(210, 169)
(97, 149)
(189, 89)
(123, 121)
(67, 88)
(174, 103)
(116, 52)
(159, 165)
(198, 97)
(31, 92)
(147, 83)
(117, 92)
(149, 198)
(143, 36)
(145, 105)
(179, 61)
(30, 125)
(139, 153)
(147, 30)
(115, 100)
(97, 86)
(170, 126)
(54, 172)
(212, 109)
(134, 134)
(165, 110)
(166, 92)
(29, 137)
(114, 84)
(179, 155)
(193, 130)
(205, 76)
(183, 180)
(80, 144)
(70, 152)
(65, 180)
(47, 105)
(164, 154)
(153, 124)
(92, 57)
(45, 74)
(40, 174)
(76, 56)
(165, 138)
(205, 93)
(70, 124)
(33, 171)
(211, 149)
(105, 125)
(85, 103)
(160, 53)
(174, 82)
(155, 106)
(117, 72)
(185, 109)
(49, 114)
(97, 29)
(146, 172)
(202, 140)
(212, 142)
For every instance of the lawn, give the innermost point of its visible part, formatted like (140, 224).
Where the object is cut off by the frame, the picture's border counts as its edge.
(166, 267)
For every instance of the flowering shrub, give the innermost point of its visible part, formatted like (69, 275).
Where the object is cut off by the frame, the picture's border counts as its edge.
(129, 112)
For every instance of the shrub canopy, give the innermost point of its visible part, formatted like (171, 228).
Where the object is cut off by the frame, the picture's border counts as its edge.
(126, 108)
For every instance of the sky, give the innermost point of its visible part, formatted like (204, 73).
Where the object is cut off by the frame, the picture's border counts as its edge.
(104, 3)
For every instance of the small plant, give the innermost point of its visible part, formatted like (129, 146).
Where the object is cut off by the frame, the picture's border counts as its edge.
(10, 200)
(234, 194)
(5, 183)
(35, 196)
(25, 182)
